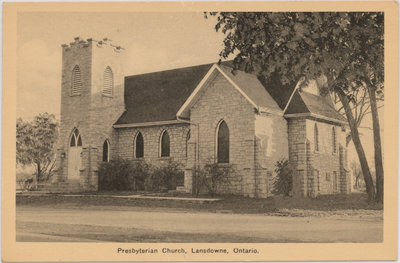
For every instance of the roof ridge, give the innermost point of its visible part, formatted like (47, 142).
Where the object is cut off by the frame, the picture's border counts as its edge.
(243, 71)
(166, 70)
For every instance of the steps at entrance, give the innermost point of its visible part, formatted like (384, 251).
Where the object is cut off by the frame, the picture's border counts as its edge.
(179, 189)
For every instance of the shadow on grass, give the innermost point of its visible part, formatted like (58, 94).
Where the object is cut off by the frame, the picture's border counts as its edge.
(228, 203)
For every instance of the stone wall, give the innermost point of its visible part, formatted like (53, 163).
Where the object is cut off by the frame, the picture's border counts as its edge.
(317, 171)
(74, 109)
(105, 110)
(271, 146)
(89, 170)
(219, 101)
(151, 137)
(298, 154)
(325, 161)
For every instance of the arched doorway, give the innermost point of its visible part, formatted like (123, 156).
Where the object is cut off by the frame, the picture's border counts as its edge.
(74, 155)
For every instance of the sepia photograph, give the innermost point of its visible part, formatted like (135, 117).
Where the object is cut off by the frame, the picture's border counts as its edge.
(200, 133)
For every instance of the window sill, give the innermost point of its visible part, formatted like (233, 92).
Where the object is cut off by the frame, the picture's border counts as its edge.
(75, 95)
(108, 96)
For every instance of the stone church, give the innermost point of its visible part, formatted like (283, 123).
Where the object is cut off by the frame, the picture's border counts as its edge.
(193, 115)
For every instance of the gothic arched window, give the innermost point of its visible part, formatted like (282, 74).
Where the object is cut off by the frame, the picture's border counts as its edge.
(187, 142)
(222, 143)
(164, 144)
(108, 82)
(106, 151)
(333, 140)
(76, 81)
(139, 146)
(76, 140)
(316, 139)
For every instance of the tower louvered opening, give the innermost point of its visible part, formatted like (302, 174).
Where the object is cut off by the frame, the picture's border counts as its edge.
(108, 82)
(76, 82)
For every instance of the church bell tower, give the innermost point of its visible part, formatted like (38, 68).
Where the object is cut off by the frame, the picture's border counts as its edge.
(91, 102)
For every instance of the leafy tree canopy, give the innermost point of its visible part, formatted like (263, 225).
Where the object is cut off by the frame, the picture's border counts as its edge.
(35, 143)
(343, 47)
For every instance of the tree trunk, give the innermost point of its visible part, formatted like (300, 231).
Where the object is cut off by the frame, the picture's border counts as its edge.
(348, 139)
(37, 174)
(377, 145)
(369, 185)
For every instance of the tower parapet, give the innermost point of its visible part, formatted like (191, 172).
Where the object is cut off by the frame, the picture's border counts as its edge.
(80, 43)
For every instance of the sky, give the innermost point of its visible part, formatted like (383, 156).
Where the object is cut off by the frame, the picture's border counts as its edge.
(152, 42)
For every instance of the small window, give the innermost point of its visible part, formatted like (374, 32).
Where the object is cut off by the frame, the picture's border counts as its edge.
(106, 151)
(79, 140)
(333, 140)
(328, 176)
(139, 146)
(223, 143)
(108, 82)
(316, 139)
(187, 142)
(76, 81)
(335, 181)
(72, 141)
(165, 144)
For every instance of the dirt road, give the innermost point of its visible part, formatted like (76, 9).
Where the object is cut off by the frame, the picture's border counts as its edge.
(134, 224)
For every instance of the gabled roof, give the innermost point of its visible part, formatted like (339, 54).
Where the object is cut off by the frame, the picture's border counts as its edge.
(158, 96)
(304, 102)
(253, 88)
(246, 84)
(278, 91)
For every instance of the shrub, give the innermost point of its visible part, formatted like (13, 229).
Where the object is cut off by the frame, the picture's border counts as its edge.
(283, 182)
(141, 171)
(212, 176)
(123, 174)
(165, 177)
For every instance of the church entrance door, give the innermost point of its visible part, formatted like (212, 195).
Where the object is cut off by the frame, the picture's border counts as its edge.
(74, 155)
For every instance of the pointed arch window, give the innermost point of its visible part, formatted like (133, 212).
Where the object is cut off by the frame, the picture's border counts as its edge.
(333, 140)
(76, 139)
(139, 146)
(106, 151)
(316, 138)
(108, 82)
(165, 144)
(187, 142)
(76, 81)
(222, 143)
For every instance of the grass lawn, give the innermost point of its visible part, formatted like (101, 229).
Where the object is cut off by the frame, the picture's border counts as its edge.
(352, 204)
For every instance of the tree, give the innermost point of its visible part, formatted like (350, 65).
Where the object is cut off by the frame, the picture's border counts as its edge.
(312, 45)
(355, 167)
(370, 72)
(283, 183)
(35, 144)
(361, 107)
